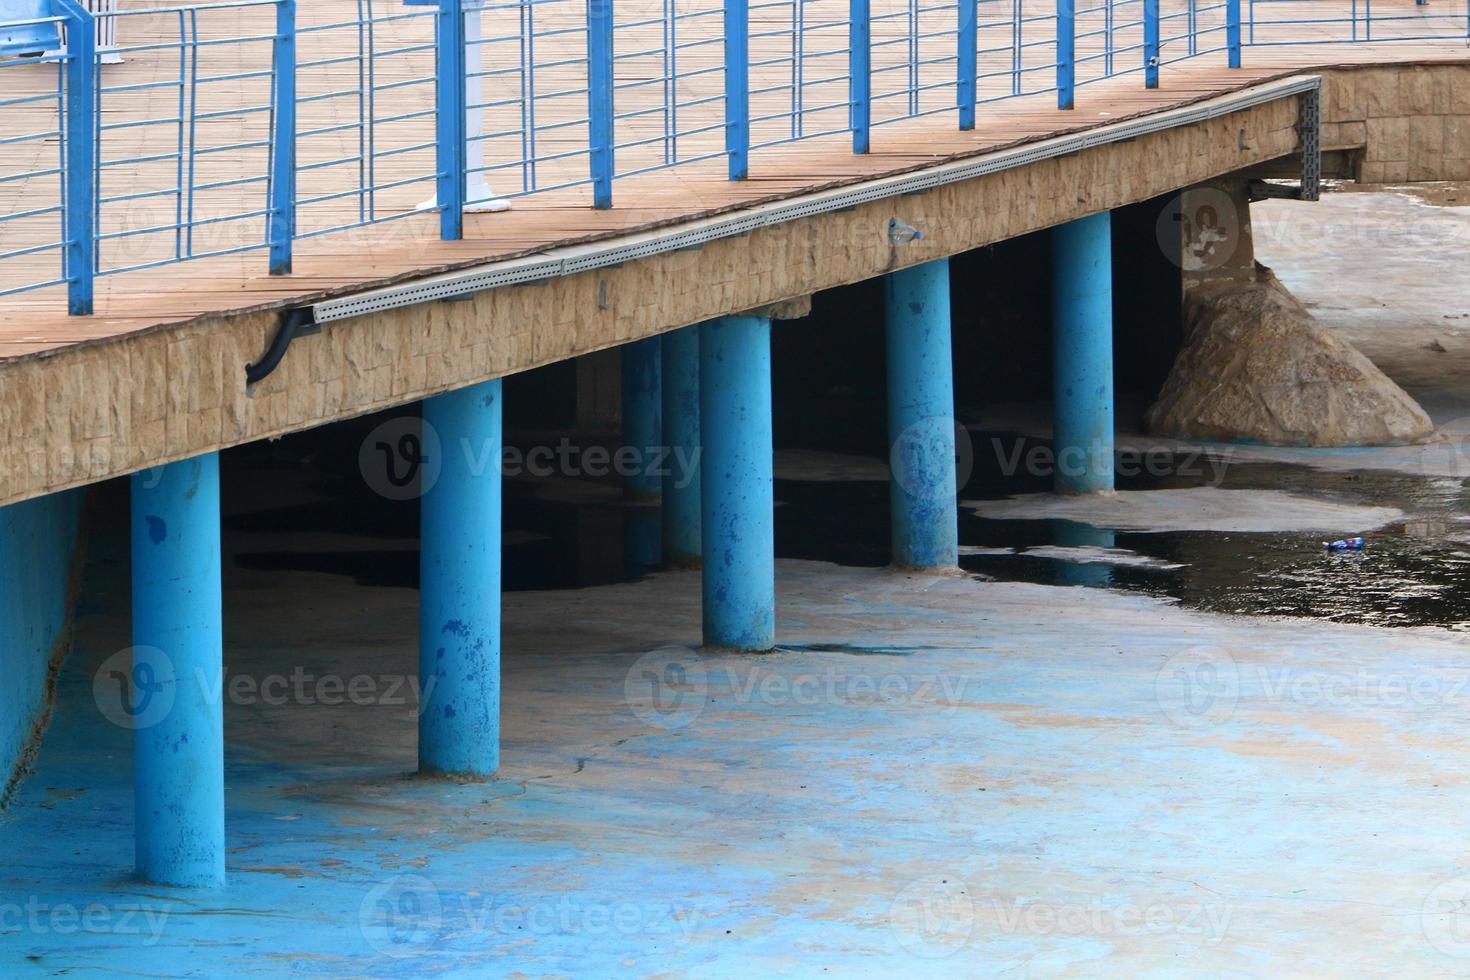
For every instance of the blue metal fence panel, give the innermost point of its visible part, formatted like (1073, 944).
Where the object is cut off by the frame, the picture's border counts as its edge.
(260, 122)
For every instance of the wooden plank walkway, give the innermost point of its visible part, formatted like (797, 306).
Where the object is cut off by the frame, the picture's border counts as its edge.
(34, 322)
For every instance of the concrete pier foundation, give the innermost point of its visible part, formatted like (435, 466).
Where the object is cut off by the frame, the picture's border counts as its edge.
(459, 591)
(921, 432)
(681, 439)
(1082, 320)
(737, 522)
(174, 691)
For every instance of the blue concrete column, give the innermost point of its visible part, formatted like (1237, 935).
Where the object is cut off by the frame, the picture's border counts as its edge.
(681, 503)
(737, 519)
(638, 456)
(921, 433)
(178, 665)
(642, 417)
(459, 587)
(1082, 360)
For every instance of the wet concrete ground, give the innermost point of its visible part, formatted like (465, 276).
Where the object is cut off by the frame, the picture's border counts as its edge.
(1062, 760)
(934, 774)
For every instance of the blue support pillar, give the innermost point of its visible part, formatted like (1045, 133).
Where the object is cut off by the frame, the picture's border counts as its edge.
(449, 117)
(459, 587)
(737, 519)
(281, 226)
(1066, 53)
(967, 61)
(737, 87)
(639, 455)
(1082, 317)
(177, 679)
(642, 418)
(1232, 32)
(600, 89)
(1150, 43)
(860, 72)
(921, 433)
(681, 504)
(80, 257)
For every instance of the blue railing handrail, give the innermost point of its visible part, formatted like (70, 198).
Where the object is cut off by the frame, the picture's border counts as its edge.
(899, 64)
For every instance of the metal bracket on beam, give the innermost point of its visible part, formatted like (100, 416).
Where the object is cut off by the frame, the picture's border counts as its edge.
(1309, 128)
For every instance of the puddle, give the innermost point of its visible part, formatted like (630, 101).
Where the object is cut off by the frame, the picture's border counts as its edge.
(1414, 572)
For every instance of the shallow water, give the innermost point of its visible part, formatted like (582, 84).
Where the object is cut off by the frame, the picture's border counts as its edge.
(1416, 572)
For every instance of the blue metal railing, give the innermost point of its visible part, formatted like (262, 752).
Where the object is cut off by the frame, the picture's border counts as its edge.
(257, 123)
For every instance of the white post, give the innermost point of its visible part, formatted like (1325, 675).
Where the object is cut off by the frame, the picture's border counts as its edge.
(478, 195)
(106, 32)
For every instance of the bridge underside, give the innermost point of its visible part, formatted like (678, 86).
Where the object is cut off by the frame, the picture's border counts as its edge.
(158, 373)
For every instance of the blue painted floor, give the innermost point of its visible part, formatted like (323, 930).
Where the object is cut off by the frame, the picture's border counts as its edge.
(935, 776)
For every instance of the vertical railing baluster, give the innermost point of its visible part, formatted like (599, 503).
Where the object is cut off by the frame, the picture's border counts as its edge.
(449, 113)
(1232, 31)
(860, 73)
(1066, 53)
(1151, 43)
(81, 156)
(281, 228)
(967, 61)
(737, 87)
(600, 99)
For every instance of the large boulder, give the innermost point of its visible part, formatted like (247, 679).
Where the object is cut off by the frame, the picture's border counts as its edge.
(1257, 367)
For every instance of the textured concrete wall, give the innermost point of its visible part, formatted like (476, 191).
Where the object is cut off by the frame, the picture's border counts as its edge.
(38, 545)
(1413, 120)
(102, 409)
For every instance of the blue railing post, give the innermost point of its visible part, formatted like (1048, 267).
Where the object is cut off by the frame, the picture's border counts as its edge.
(281, 227)
(81, 156)
(1232, 31)
(1067, 52)
(967, 62)
(737, 87)
(1151, 43)
(600, 99)
(860, 81)
(449, 115)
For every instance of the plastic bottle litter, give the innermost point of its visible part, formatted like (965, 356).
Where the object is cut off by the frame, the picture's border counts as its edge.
(1345, 544)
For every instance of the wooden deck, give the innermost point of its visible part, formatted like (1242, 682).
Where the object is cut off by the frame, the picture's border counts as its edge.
(34, 323)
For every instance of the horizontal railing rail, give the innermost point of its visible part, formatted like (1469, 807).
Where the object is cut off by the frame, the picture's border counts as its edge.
(248, 125)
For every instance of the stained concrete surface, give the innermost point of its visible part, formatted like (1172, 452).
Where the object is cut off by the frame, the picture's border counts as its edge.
(934, 775)
(1193, 509)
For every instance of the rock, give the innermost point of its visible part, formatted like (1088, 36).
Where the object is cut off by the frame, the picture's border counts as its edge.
(1257, 367)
